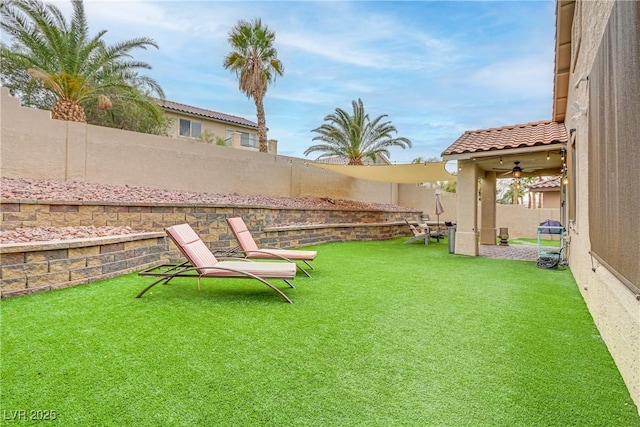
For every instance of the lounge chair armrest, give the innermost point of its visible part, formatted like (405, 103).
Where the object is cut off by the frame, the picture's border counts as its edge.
(240, 257)
(262, 251)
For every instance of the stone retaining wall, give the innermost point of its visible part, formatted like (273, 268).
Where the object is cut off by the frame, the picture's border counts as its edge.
(270, 226)
(33, 267)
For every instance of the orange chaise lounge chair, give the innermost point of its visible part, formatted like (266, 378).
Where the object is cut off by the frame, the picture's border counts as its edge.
(201, 263)
(250, 249)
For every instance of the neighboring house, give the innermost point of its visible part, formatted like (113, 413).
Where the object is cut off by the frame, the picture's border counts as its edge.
(212, 126)
(549, 190)
(592, 139)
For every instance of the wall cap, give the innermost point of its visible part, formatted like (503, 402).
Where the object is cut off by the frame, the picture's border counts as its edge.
(10, 248)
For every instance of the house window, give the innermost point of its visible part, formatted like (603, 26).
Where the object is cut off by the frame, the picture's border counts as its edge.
(190, 129)
(249, 140)
(246, 139)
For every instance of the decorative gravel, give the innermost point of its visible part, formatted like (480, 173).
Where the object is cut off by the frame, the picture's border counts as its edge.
(56, 191)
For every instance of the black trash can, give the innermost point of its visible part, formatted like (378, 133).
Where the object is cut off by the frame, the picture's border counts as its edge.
(452, 239)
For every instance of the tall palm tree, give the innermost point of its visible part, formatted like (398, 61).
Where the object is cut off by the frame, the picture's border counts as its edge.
(255, 62)
(63, 59)
(355, 137)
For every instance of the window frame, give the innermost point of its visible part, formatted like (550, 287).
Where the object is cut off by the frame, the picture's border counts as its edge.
(191, 128)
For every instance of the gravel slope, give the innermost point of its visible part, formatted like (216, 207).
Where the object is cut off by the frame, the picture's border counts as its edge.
(47, 191)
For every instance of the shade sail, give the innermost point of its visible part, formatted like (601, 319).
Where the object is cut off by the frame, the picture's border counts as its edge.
(401, 174)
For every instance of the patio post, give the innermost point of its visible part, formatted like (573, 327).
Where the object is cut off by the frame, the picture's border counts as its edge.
(467, 215)
(488, 209)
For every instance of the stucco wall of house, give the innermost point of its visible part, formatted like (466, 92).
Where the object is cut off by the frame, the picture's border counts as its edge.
(217, 129)
(614, 308)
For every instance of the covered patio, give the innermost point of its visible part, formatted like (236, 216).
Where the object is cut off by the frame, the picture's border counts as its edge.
(532, 149)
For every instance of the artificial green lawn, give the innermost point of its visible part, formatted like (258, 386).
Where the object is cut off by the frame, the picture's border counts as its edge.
(384, 334)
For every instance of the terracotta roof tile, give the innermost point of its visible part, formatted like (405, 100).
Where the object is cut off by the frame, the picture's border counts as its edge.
(516, 136)
(547, 184)
(209, 114)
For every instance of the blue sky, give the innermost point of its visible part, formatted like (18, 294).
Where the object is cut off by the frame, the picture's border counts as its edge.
(435, 68)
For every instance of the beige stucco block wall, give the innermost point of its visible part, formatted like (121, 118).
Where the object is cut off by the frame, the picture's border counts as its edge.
(35, 146)
(424, 198)
(42, 150)
(551, 199)
(522, 221)
(122, 157)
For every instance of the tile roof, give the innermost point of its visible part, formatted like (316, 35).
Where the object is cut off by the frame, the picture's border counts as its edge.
(547, 184)
(209, 114)
(516, 136)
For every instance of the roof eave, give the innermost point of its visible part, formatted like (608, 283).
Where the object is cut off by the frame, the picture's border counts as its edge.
(562, 65)
(203, 116)
(503, 151)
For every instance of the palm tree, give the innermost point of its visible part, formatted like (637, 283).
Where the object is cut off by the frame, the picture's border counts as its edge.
(61, 58)
(256, 64)
(418, 160)
(355, 137)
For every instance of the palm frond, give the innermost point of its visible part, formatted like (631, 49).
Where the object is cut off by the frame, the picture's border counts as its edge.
(355, 136)
(63, 55)
(253, 59)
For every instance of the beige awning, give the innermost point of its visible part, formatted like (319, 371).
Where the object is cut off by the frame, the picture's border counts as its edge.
(401, 174)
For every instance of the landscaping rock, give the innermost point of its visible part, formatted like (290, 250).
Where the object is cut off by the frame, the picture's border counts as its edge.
(57, 191)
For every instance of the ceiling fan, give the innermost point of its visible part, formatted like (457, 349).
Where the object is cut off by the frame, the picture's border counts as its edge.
(516, 171)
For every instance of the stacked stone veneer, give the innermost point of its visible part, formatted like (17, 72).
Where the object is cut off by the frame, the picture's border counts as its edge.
(33, 267)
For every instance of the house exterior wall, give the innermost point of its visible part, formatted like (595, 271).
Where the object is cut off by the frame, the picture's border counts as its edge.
(215, 128)
(615, 309)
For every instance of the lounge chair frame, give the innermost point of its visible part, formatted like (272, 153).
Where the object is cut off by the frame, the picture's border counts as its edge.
(166, 272)
(270, 253)
(237, 252)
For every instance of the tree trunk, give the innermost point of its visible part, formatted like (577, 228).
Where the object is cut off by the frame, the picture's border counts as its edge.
(66, 109)
(262, 123)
